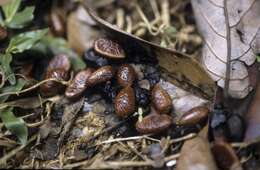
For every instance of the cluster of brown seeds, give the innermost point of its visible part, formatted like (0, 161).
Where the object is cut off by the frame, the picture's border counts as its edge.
(125, 105)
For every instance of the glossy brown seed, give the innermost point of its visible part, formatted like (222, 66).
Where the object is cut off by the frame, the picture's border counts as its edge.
(153, 123)
(78, 84)
(125, 75)
(109, 48)
(194, 116)
(3, 33)
(125, 102)
(57, 24)
(225, 156)
(60, 61)
(52, 88)
(58, 68)
(161, 100)
(101, 75)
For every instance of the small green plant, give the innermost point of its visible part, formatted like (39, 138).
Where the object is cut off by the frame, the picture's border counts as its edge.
(14, 19)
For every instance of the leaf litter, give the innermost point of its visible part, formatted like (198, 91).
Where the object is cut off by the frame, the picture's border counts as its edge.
(55, 132)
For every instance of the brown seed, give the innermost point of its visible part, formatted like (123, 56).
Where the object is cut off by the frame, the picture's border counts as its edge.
(58, 68)
(153, 123)
(101, 75)
(52, 88)
(225, 156)
(78, 84)
(109, 48)
(60, 61)
(3, 33)
(125, 102)
(161, 100)
(194, 116)
(125, 75)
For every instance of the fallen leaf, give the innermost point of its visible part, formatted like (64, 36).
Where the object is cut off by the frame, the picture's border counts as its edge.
(76, 27)
(252, 118)
(196, 155)
(69, 116)
(230, 29)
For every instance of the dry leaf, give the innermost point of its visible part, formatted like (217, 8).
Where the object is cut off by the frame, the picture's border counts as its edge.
(252, 118)
(196, 155)
(231, 32)
(77, 26)
(70, 114)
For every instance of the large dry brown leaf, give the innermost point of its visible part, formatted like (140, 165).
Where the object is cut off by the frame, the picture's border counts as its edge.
(181, 70)
(232, 37)
(196, 155)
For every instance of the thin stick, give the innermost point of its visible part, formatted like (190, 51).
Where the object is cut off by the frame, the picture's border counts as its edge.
(14, 151)
(172, 157)
(110, 164)
(32, 87)
(186, 137)
(119, 164)
(144, 18)
(120, 21)
(155, 9)
(135, 151)
(129, 24)
(127, 139)
(165, 12)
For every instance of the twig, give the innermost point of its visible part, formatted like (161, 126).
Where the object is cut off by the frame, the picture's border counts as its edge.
(14, 151)
(155, 9)
(32, 87)
(120, 21)
(136, 152)
(165, 12)
(129, 24)
(109, 164)
(127, 139)
(144, 18)
(172, 157)
(186, 137)
(119, 164)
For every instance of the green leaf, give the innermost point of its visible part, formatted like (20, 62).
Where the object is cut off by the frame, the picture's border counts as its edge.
(258, 58)
(22, 18)
(15, 125)
(25, 41)
(170, 31)
(10, 9)
(60, 46)
(1, 20)
(15, 88)
(5, 61)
